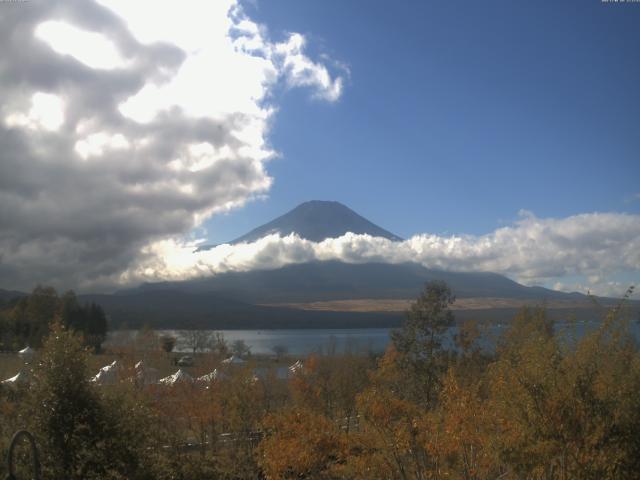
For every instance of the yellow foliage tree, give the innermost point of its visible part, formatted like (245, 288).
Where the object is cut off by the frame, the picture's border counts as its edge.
(300, 444)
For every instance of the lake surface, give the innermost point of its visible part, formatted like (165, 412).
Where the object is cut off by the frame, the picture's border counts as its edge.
(358, 340)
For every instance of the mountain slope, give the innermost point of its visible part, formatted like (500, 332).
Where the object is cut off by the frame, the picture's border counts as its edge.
(7, 295)
(333, 280)
(316, 221)
(170, 308)
(237, 300)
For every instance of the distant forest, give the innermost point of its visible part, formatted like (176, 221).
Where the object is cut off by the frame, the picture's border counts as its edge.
(25, 320)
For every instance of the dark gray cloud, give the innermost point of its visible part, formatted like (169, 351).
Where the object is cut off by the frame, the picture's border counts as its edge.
(82, 198)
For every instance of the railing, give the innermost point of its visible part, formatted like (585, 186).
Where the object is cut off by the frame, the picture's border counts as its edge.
(35, 461)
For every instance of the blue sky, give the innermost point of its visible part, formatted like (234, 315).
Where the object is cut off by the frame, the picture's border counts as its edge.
(494, 136)
(458, 114)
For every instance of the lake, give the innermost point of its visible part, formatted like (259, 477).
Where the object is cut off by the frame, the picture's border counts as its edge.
(302, 342)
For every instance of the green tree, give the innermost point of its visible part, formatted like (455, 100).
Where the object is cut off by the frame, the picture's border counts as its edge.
(419, 341)
(279, 351)
(168, 343)
(95, 331)
(27, 321)
(79, 434)
(240, 348)
(89, 320)
(30, 316)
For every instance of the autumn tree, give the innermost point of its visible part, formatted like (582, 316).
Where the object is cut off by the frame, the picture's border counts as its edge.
(330, 385)
(390, 441)
(300, 445)
(462, 431)
(219, 345)
(196, 340)
(243, 405)
(563, 410)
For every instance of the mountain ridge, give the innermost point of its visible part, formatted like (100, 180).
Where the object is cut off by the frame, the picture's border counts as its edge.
(336, 280)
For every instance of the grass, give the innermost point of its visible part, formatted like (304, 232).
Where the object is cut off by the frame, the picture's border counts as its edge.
(399, 305)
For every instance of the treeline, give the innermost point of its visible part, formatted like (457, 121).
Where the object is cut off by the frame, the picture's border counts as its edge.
(25, 321)
(542, 406)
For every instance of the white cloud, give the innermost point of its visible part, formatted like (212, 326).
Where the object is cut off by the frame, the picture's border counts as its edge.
(46, 112)
(200, 21)
(604, 288)
(122, 127)
(301, 71)
(97, 144)
(533, 250)
(92, 49)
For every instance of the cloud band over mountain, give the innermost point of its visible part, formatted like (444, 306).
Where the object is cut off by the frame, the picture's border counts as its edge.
(533, 251)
